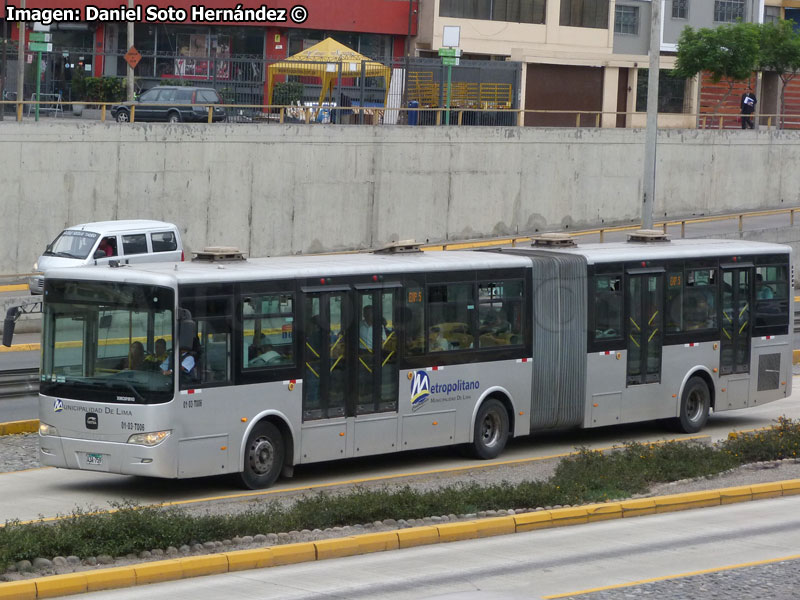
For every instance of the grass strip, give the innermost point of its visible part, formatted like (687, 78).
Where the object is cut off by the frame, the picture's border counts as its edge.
(587, 477)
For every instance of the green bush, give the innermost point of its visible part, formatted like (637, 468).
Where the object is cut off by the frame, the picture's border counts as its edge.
(98, 89)
(588, 476)
(284, 94)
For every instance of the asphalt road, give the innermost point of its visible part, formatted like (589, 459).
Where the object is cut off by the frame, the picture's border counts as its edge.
(538, 564)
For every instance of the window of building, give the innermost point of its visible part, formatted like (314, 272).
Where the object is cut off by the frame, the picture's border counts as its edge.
(772, 14)
(515, 11)
(728, 11)
(584, 13)
(268, 331)
(626, 20)
(671, 92)
(680, 9)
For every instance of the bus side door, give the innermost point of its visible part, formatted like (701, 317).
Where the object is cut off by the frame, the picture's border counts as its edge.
(735, 331)
(644, 302)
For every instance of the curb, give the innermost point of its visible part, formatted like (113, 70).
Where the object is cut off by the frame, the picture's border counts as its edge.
(795, 357)
(33, 346)
(239, 560)
(12, 427)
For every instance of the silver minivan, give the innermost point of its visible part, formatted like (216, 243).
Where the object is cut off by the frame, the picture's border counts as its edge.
(99, 243)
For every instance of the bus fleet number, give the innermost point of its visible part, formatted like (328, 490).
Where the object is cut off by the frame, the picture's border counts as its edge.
(129, 426)
(197, 403)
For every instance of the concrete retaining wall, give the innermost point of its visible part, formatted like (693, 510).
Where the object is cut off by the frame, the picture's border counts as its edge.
(275, 189)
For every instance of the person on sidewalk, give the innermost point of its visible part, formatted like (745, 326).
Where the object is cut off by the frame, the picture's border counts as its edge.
(748, 108)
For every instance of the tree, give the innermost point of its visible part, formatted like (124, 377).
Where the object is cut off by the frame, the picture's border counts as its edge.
(729, 52)
(780, 53)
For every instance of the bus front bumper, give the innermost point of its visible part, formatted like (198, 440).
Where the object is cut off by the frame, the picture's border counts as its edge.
(108, 457)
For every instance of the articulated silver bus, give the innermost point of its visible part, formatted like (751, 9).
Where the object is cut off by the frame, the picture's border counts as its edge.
(228, 365)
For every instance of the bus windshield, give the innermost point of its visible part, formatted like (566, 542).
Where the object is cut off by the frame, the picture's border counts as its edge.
(107, 342)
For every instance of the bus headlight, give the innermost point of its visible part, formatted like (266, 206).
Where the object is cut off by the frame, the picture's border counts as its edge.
(45, 429)
(154, 438)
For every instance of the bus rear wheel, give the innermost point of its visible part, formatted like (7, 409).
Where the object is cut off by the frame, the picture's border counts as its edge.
(263, 456)
(695, 404)
(491, 430)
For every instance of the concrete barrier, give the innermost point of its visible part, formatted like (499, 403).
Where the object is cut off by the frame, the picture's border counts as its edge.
(284, 189)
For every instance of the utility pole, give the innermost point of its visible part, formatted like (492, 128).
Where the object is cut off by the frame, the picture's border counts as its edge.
(130, 68)
(5, 61)
(649, 179)
(21, 66)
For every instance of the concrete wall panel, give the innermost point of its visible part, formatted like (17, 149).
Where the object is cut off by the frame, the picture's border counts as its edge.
(274, 189)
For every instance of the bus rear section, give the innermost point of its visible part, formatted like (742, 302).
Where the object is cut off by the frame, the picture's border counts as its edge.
(668, 330)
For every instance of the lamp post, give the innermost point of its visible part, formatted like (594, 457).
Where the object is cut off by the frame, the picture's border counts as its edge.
(649, 179)
(130, 68)
(21, 66)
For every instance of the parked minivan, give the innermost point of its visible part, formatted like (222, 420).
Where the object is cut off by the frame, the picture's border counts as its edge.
(99, 243)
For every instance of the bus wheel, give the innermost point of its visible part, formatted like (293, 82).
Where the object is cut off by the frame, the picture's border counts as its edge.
(491, 430)
(263, 457)
(695, 403)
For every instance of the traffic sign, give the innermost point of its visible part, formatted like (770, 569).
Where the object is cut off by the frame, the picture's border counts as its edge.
(40, 47)
(450, 61)
(132, 57)
(39, 36)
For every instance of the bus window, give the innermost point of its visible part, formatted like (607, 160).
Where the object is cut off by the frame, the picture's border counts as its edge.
(674, 312)
(414, 319)
(450, 310)
(377, 352)
(608, 307)
(211, 350)
(500, 313)
(268, 323)
(700, 300)
(772, 296)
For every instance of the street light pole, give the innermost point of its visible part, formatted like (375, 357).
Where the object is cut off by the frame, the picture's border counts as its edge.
(5, 61)
(21, 66)
(130, 68)
(649, 179)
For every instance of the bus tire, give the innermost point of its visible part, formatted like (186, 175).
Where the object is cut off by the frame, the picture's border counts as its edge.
(491, 430)
(695, 404)
(263, 456)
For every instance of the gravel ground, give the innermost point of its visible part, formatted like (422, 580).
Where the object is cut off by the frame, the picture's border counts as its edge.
(777, 581)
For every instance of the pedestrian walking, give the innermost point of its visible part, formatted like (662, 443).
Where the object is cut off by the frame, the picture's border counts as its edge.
(748, 108)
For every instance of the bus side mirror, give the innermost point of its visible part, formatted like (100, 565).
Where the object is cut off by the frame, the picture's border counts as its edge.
(9, 324)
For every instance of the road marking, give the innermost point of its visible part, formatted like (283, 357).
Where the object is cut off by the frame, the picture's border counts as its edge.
(19, 287)
(36, 346)
(768, 561)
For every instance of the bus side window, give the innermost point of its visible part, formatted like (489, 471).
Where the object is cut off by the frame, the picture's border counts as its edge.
(413, 318)
(772, 296)
(450, 309)
(607, 307)
(500, 313)
(268, 328)
(211, 350)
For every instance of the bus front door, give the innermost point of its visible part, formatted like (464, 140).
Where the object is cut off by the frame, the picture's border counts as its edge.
(644, 302)
(737, 291)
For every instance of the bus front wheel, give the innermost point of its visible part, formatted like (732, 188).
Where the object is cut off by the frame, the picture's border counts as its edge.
(695, 403)
(491, 430)
(263, 457)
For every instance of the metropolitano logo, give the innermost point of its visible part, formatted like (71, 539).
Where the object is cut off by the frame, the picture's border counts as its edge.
(420, 389)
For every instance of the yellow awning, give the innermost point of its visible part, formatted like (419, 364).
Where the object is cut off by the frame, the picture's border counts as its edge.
(322, 60)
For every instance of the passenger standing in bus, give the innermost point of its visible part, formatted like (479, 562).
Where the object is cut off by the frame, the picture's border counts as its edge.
(365, 328)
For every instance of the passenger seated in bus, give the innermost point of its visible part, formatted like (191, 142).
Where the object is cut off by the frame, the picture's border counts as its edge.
(188, 366)
(159, 359)
(135, 358)
(365, 329)
(763, 291)
(266, 356)
(437, 342)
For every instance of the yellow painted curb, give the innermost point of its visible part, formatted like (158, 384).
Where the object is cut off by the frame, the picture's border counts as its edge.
(13, 427)
(535, 520)
(210, 564)
(336, 548)
(377, 542)
(36, 346)
(18, 590)
(61, 585)
(790, 487)
(14, 287)
(637, 508)
(604, 512)
(569, 516)
(155, 572)
(293, 553)
(495, 526)
(795, 357)
(242, 560)
(109, 579)
(766, 490)
(686, 501)
(453, 532)
(735, 494)
(417, 536)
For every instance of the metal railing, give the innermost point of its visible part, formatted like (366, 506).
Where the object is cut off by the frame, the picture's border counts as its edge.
(426, 116)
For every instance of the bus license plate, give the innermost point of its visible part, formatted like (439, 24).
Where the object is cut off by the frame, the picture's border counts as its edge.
(94, 459)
